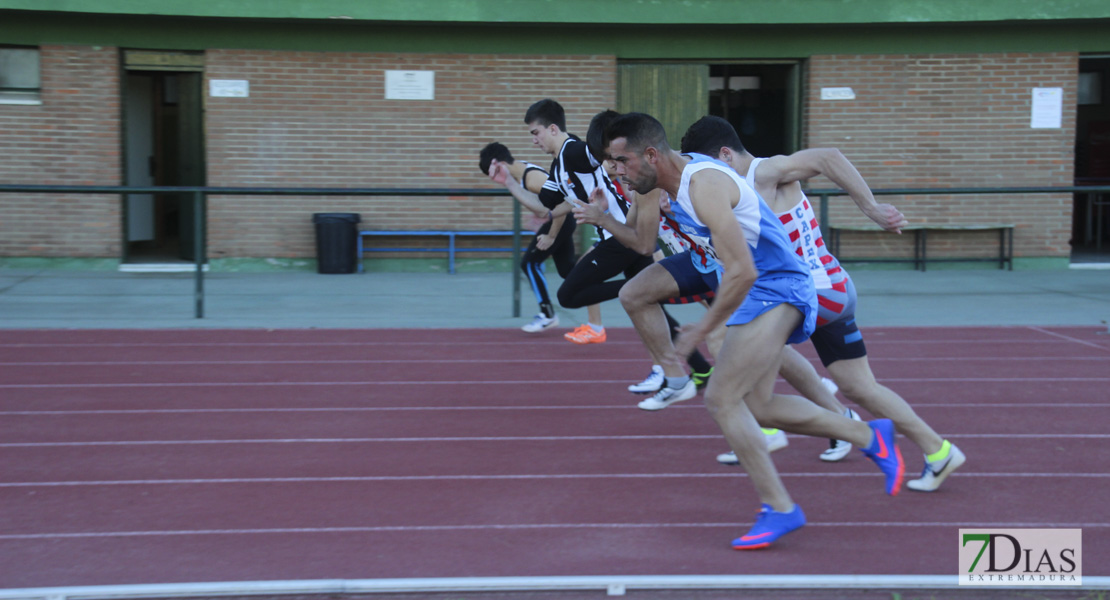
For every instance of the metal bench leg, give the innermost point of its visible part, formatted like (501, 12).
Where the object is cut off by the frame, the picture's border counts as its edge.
(451, 254)
(1002, 248)
(920, 240)
(359, 243)
(1010, 247)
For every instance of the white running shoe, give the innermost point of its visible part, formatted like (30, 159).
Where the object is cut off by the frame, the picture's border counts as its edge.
(775, 438)
(667, 396)
(652, 384)
(838, 449)
(935, 473)
(540, 322)
(830, 385)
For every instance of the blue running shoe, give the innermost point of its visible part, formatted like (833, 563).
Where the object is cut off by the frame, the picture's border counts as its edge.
(884, 451)
(770, 526)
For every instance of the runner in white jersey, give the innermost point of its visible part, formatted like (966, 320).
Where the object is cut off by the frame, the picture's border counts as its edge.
(690, 272)
(838, 341)
(766, 296)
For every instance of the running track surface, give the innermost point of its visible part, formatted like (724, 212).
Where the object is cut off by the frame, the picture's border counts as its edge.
(200, 455)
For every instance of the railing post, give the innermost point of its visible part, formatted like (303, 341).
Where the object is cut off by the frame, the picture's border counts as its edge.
(516, 258)
(824, 216)
(200, 222)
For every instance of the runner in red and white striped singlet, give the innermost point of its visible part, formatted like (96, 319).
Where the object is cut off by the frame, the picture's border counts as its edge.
(838, 341)
(830, 279)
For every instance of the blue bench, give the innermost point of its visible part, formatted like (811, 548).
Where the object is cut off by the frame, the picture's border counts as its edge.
(1004, 259)
(450, 235)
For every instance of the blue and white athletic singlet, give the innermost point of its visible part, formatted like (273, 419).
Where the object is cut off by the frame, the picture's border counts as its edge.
(771, 248)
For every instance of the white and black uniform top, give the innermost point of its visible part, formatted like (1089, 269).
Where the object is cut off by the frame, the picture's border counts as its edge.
(575, 173)
(528, 168)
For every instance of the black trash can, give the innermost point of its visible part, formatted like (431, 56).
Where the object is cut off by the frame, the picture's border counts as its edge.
(336, 242)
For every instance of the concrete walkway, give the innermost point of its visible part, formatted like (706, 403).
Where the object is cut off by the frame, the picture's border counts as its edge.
(59, 298)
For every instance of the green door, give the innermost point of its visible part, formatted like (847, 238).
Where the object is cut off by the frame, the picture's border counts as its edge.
(676, 94)
(190, 159)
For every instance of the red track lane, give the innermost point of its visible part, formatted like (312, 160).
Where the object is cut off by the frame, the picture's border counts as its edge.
(201, 455)
(410, 373)
(74, 465)
(28, 429)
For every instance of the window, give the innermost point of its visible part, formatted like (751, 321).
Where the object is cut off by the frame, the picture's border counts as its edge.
(20, 82)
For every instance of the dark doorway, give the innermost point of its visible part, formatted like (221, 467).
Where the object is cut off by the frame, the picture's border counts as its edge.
(1091, 215)
(163, 147)
(761, 102)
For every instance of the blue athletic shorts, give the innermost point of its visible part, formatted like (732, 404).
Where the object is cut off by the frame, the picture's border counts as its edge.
(769, 292)
(691, 282)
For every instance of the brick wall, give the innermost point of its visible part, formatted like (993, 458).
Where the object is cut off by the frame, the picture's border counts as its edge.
(320, 119)
(72, 138)
(943, 120)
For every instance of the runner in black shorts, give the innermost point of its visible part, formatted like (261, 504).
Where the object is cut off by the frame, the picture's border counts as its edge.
(574, 175)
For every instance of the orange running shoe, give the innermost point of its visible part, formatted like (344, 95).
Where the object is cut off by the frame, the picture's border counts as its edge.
(585, 334)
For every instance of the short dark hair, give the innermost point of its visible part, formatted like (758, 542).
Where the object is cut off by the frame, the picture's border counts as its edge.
(493, 150)
(709, 134)
(639, 130)
(547, 112)
(595, 135)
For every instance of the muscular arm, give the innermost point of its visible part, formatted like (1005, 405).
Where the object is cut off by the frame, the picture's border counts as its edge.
(533, 182)
(784, 170)
(543, 242)
(643, 214)
(527, 198)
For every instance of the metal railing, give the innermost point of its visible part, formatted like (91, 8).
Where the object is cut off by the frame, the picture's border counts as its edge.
(200, 196)
(825, 194)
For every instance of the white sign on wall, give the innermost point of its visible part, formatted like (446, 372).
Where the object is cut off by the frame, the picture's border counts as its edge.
(838, 93)
(410, 85)
(229, 88)
(1048, 108)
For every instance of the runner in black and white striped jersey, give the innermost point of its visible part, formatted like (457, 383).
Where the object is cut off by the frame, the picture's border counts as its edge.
(573, 176)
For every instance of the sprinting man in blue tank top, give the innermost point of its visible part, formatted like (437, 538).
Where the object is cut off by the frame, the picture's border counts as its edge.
(766, 296)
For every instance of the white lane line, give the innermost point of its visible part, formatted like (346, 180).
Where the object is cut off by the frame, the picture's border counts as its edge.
(559, 407)
(190, 363)
(610, 585)
(1068, 338)
(576, 438)
(522, 477)
(566, 438)
(314, 344)
(187, 384)
(531, 382)
(305, 344)
(522, 527)
(343, 361)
